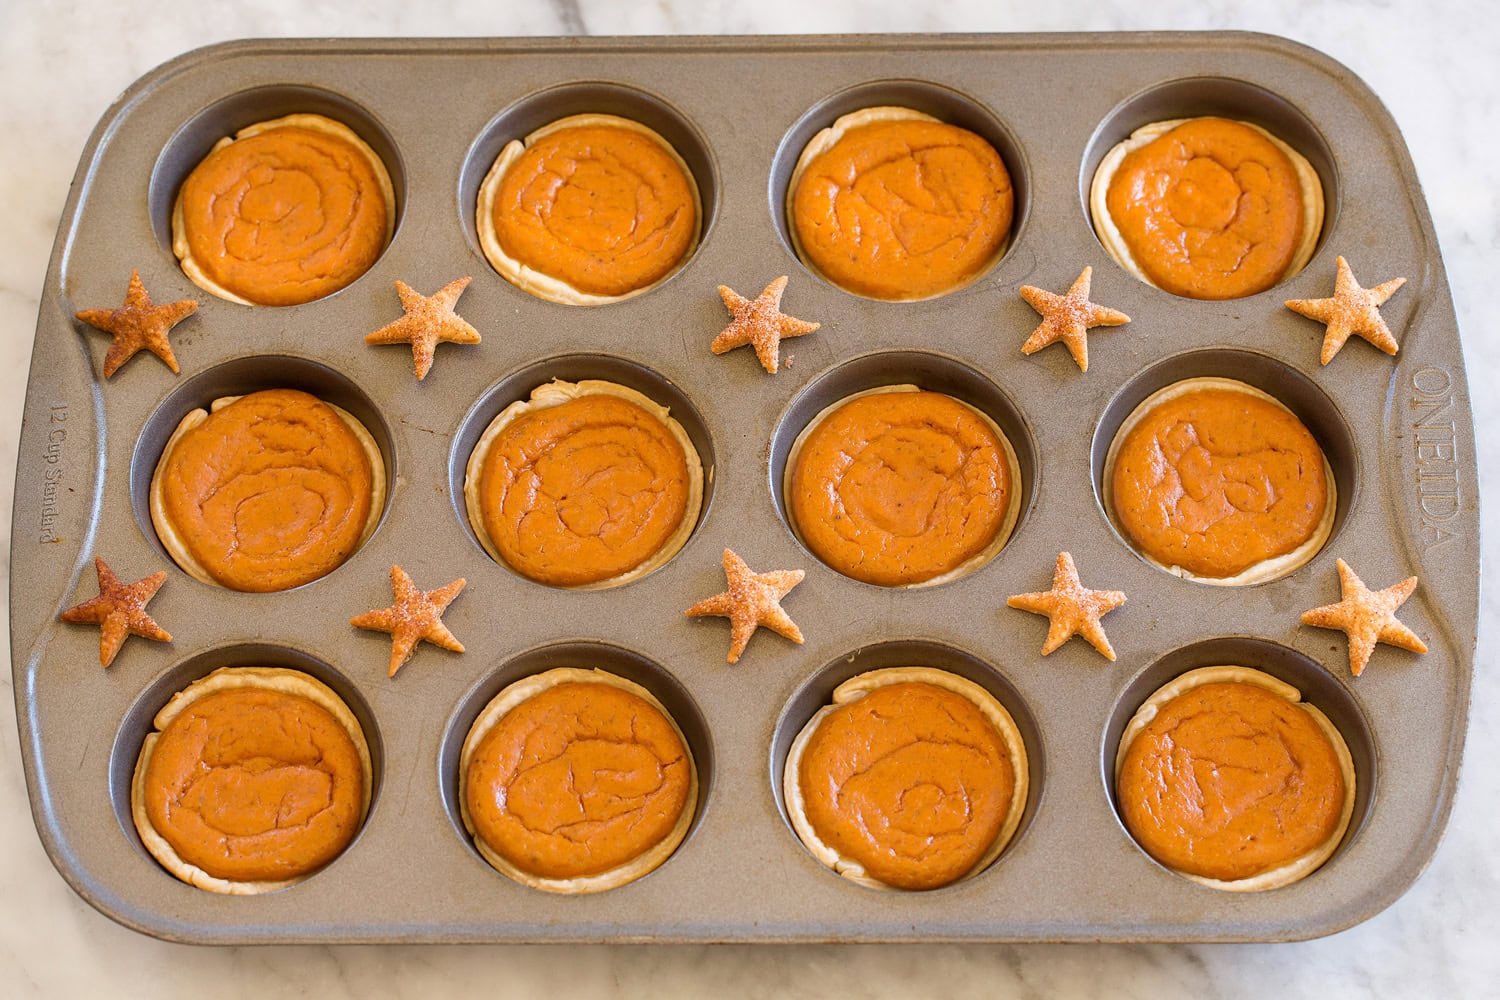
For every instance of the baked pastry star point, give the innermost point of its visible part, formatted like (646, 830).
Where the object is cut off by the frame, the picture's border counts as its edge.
(752, 600)
(1071, 607)
(1068, 318)
(760, 323)
(1351, 311)
(119, 611)
(428, 321)
(139, 323)
(1367, 617)
(415, 616)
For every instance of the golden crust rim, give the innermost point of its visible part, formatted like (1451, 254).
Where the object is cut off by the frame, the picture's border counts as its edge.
(857, 687)
(1300, 867)
(282, 679)
(642, 864)
(535, 282)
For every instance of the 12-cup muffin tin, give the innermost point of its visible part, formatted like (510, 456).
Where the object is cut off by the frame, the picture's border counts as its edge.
(1397, 433)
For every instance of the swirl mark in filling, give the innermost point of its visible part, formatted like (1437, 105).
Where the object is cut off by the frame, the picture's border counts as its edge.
(269, 492)
(1210, 210)
(1215, 481)
(584, 491)
(577, 780)
(255, 785)
(898, 488)
(604, 209)
(284, 216)
(911, 781)
(1229, 781)
(903, 209)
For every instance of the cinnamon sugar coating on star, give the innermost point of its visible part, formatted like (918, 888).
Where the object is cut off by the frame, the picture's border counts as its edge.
(1071, 607)
(1351, 311)
(752, 600)
(119, 611)
(1367, 617)
(429, 321)
(138, 324)
(760, 323)
(1068, 318)
(416, 615)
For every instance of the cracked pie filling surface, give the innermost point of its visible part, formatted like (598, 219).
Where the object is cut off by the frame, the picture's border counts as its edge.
(266, 491)
(254, 779)
(1217, 481)
(902, 488)
(1225, 776)
(913, 778)
(584, 485)
(576, 781)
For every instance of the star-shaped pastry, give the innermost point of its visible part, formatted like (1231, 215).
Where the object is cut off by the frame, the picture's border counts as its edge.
(1367, 617)
(1068, 318)
(429, 320)
(760, 322)
(1072, 608)
(119, 611)
(752, 600)
(415, 616)
(1352, 310)
(139, 323)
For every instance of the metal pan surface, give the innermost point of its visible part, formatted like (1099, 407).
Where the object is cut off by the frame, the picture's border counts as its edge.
(1397, 432)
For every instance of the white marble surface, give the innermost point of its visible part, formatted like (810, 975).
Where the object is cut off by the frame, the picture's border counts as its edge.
(1432, 62)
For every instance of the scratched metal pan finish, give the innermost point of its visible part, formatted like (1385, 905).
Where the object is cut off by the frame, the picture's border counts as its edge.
(1397, 431)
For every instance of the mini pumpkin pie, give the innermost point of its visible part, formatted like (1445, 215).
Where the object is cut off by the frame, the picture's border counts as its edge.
(285, 212)
(576, 781)
(902, 488)
(266, 491)
(588, 210)
(1228, 778)
(1207, 208)
(891, 203)
(584, 485)
(254, 778)
(913, 778)
(1216, 481)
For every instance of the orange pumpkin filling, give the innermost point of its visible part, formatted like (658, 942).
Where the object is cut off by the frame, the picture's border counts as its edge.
(604, 209)
(269, 492)
(583, 491)
(255, 785)
(911, 781)
(903, 209)
(577, 780)
(898, 488)
(1216, 481)
(1229, 781)
(1210, 210)
(284, 216)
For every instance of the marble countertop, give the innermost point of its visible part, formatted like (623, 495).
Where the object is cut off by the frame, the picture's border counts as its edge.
(63, 62)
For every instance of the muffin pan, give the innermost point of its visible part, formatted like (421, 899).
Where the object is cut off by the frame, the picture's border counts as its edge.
(1397, 432)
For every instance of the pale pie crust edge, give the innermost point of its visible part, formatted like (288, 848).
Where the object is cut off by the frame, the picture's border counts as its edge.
(280, 679)
(171, 538)
(1267, 569)
(829, 137)
(857, 687)
(1300, 867)
(538, 283)
(1012, 465)
(314, 123)
(1113, 240)
(525, 689)
(556, 393)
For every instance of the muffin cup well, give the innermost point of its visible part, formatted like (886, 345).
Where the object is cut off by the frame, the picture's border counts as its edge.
(1292, 675)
